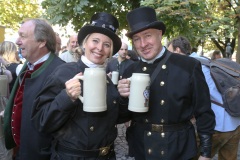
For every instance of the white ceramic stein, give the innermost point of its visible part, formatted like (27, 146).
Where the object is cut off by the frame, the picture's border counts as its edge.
(115, 76)
(139, 92)
(94, 90)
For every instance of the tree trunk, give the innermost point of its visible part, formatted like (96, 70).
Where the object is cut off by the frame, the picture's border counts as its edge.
(238, 48)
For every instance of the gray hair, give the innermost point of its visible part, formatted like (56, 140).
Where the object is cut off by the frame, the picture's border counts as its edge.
(44, 32)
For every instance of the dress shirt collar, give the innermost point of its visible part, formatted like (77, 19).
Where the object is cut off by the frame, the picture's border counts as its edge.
(44, 58)
(194, 54)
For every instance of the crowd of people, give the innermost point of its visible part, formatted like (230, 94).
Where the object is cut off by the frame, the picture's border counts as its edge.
(43, 117)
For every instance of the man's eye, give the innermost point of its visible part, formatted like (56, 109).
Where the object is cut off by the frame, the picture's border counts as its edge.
(135, 39)
(148, 35)
(95, 41)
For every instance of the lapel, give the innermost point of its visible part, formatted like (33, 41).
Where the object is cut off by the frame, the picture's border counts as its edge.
(34, 74)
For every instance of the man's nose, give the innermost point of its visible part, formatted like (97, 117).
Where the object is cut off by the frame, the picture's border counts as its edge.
(18, 41)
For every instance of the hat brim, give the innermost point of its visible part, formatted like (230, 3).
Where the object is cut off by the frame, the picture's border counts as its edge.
(88, 29)
(156, 25)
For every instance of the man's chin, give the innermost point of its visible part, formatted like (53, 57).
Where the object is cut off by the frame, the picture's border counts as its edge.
(146, 57)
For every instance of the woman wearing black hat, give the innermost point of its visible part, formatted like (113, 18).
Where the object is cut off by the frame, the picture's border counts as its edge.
(77, 134)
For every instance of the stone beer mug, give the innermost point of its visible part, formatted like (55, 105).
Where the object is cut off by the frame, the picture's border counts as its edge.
(94, 90)
(115, 76)
(139, 92)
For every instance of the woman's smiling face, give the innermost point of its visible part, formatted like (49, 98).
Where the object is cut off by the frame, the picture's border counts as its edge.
(98, 48)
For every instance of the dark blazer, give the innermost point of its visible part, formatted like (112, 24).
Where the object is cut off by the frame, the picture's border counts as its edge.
(178, 93)
(33, 145)
(113, 65)
(55, 113)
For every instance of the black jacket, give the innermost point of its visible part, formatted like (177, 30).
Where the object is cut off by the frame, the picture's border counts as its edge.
(178, 93)
(71, 127)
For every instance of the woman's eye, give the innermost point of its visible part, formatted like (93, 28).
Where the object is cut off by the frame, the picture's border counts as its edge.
(107, 45)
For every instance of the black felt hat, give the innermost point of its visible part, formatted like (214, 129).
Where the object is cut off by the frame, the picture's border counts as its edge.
(103, 23)
(143, 18)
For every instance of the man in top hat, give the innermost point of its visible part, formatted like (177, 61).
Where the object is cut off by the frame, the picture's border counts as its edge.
(178, 91)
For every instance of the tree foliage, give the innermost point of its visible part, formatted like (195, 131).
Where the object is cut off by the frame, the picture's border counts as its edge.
(213, 23)
(185, 21)
(79, 12)
(222, 26)
(181, 17)
(210, 22)
(12, 12)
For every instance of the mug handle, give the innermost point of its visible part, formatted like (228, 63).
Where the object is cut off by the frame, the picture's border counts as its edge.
(80, 78)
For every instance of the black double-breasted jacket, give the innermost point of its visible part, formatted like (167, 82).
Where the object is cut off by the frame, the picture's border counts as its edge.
(72, 127)
(33, 145)
(178, 93)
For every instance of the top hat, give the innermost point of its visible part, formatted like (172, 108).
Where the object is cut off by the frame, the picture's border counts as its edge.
(103, 23)
(143, 18)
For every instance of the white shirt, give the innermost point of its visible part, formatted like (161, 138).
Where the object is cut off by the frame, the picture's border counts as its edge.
(224, 122)
(68, 57)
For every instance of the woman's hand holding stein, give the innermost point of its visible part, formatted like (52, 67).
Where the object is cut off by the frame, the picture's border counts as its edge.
(73, 87)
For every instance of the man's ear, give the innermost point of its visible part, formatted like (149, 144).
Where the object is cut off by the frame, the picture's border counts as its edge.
(42, 44)
(178, 50)
(160, 33)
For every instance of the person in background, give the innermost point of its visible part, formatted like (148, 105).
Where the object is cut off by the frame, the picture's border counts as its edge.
(78, 52)
(216, 54)
(194, 50)
(121, 62)
(229, 50)
(58, 44)
(176, 94)
(37, 42)
(227, 131)
(58, 111)
(4, 95)
(63, 49)
(68, 56)
(4, 70)
(132, 55)
(180, 45)
(9, 53)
